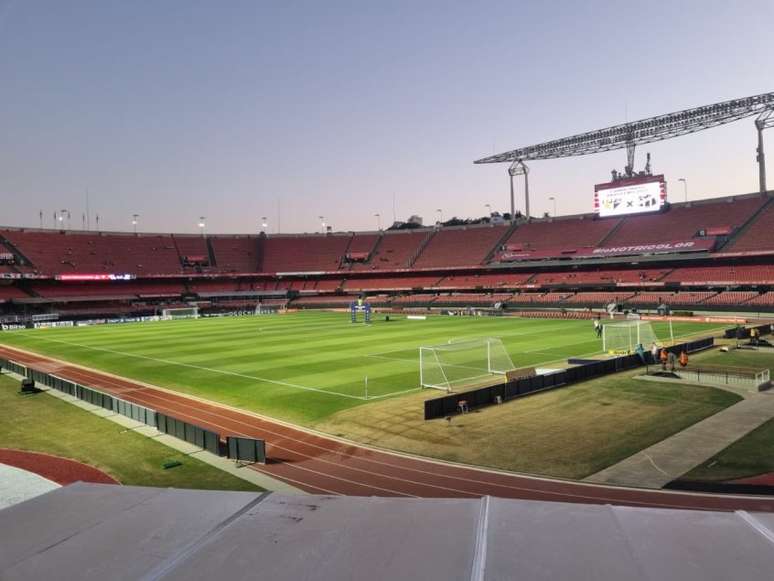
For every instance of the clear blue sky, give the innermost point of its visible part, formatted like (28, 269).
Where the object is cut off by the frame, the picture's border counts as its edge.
(177, 109)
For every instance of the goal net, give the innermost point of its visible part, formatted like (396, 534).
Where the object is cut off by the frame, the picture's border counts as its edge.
(462, 363)
(180, 313)
(624, 337)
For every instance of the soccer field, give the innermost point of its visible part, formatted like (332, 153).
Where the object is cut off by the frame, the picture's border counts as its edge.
(303, 366)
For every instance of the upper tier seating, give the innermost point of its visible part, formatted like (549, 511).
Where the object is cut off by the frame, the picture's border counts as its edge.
(60, 252)
(760, 234)
(722, 274)
(683, 222)
(191, 246)
(460, 246)
(235, 253)
(561, 233)
(363, 243)
(304, 253)
(671, 299)
(394, 251)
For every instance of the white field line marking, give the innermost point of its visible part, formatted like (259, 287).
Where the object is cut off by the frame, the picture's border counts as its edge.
(652, 463)
(202, 368)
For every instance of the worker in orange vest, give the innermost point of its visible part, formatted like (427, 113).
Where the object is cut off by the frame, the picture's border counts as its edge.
(664, 357)
(683, 359)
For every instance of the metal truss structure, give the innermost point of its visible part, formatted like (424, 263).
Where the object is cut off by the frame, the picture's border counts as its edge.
(630, 135)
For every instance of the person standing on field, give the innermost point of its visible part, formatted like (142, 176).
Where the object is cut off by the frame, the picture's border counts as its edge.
(654, 352)
(598, 327)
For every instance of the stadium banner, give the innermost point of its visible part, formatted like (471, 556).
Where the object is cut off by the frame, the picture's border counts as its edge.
(93, 277)
(666, 247)
(630, 196)
(672, 247)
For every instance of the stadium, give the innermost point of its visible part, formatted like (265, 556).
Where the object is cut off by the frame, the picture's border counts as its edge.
(460, 400)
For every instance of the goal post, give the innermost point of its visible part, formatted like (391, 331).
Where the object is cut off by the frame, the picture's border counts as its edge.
(624, 337)
(180, 313)
(462, 363)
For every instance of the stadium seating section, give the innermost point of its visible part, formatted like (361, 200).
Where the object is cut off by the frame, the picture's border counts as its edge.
(439, 267)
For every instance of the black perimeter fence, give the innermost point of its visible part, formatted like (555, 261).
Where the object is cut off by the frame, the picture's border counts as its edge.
(247, 449)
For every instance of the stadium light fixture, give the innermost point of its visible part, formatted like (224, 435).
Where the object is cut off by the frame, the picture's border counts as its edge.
(378, 217)
(440, 215)
(685, 187)
(202, 224)
(322, 223)
(61, 218)
(553, 199)
(264, 223)
(134, 222)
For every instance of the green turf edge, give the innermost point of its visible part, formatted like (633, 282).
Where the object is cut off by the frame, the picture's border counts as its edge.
(41, 423)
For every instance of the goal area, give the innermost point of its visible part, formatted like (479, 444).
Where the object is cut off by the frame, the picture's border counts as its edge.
(624, 337)
(180, 313)
(462, 363)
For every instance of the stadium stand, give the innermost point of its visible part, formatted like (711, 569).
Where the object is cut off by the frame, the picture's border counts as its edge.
(600, 277)
(304, 253)
(473, 281)
(235, 253)
(730, 298)
(394, 250)
(439, 267)
(596, 299)
(67, 252)
(758, 235)
(391, 283)
(452, 247)
(561, 233)
(762, 300)
(8, 293)
(763, 274)
(683, 222)
(538, 298)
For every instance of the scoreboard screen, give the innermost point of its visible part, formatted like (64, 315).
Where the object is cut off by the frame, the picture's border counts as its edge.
(630, 196)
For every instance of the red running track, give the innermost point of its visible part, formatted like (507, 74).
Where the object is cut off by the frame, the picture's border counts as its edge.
(324, 465)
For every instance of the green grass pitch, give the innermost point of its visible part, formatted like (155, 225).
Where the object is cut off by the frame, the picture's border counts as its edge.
(303, 366)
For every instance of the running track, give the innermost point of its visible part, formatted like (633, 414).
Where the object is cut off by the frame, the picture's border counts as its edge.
(323, 465)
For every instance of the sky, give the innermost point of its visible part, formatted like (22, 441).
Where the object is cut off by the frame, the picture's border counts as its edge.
(294, 110)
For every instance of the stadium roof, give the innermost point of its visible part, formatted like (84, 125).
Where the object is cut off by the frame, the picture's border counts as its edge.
(640, 132)
(91, 531)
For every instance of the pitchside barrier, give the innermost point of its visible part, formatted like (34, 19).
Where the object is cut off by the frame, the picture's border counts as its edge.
(450, 404)
(206, 439)
(745, 331)
(246, 449)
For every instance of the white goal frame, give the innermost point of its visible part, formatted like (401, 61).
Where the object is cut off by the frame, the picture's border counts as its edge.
(634, 336)
(500, 364)
(180, 313)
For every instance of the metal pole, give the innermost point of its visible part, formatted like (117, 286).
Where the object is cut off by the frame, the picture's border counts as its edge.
(526, 192)
(366, 387)
(513, 209)
(759, 125)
